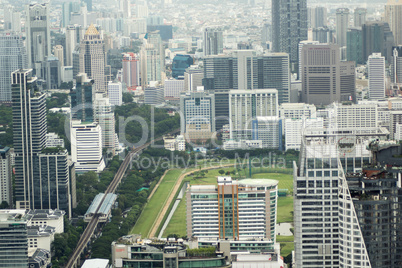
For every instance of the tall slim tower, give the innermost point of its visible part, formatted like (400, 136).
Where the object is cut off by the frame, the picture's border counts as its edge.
(6, 186)
(92, 58)
(12, 57)
(30, 125)
(359, 16)
(82, 99)
(342, 22)
(152, 59)
(289, 26)
(38, 34)
(376, 72)
(131, 70)
(212, 42)
(393, 15)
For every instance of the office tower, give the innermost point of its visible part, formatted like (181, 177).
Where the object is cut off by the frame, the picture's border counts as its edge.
(377, 38)
(8, 17)
(54, 180)
(193, 78)
(152, 59)
(334, 82)
(246, 105)
(180, 64)
(266, 33)
(396, 65)
(212, 42)
(30, 125)
(13, 239)
(323, 227)
(38, 34)
(67, 8)
(86, 147)
(131, 70)
(74, 34)
(115, 93)
(342, 24)
(6, 190)
(198, 121)
(289, 26)
(320, 17)
(51, 72)
(323, 35)
(82, 99)
(173, 88)
(92, 57)
(58, 52)
(294, 130)
(393, 16)
(354, 46)
(13, 56)
(88, 4)
(153, 95)
(237, 210)
(125, 8)
(104, 116)
(376, 74)
(301, 44)
(359, 16)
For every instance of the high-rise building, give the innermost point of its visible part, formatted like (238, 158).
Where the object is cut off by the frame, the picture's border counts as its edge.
(323, 35)
(88, 4)
(359, 16)
(301, 44)
(212, 42)
(376, 75)
(74, 35)
(325, 78)
(104, 116)
(154, 95)
(173, 88)
(38, 34)
(13, 239)
(342, 24)
(115, 93)
(354, 46)
(12, 57)
(67, 8)
(233, 210)
(131, 70)
(58, 52)
(152, 59)
(393, 15)
(180, 64)
(82, 99)
(6, 192)
(396, 65)
(198, 121)
(193, 78)
(54, 180)
(246, 105)
(30, 126)
(319, 17)
(377, 38)
(86, 147)
(266, 32)
(92, 59)
(289, 26)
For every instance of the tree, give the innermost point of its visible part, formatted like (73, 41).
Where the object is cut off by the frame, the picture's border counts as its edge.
(221, 171)
(127, 97)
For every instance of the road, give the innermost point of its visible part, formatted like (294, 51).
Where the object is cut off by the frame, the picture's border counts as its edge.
(91, 227)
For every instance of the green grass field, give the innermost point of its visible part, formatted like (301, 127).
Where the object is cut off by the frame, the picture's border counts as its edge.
(287, 244)
(155, 204)
(177, 224)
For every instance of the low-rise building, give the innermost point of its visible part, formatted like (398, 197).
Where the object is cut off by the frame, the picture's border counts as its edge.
(174, 143)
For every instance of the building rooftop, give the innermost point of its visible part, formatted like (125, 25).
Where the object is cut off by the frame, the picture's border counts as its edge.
(258, 182)
(96, 263)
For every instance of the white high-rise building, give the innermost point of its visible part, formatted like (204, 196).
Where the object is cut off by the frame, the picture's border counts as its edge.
(173, 88)
(212, 42)
(115, 92)
(376, 73)
(294, 129)
(59, 54)
(193, 78)
(86, 147)
(104, 116)
(246, 105)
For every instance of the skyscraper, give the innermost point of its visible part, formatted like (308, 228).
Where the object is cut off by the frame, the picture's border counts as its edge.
(29, 123)
(152, 59)
(320, 17)
(131, 70)
(354, 47)
(82, 99)
(104, 116)
(180, 64)
(59, 53)
(393, 15)
(289, 26)
(342, 24)
(376, 74)
(212, 42)
(6, 186)
(12, 57)
(325, 78)
(396, 65)
(92, 59)
(115, 93)
(359, 16)
(74, 34)
(38, 34)
(377, 38)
